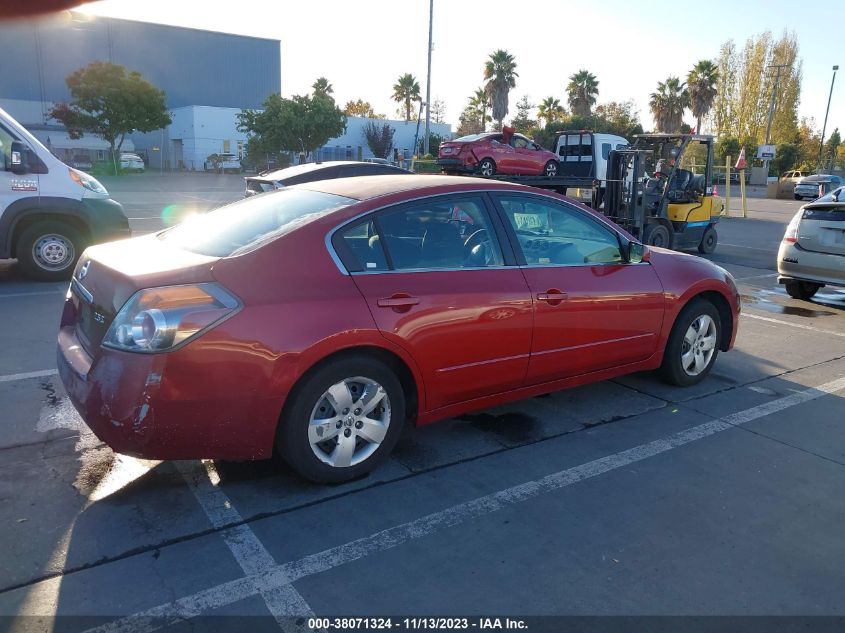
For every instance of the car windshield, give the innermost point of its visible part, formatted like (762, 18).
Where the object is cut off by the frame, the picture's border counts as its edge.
(239, 227)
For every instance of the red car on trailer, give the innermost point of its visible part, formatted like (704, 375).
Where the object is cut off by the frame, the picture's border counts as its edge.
(492, 153)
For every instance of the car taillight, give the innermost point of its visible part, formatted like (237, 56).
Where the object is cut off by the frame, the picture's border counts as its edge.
(158, 319)
(791, 234)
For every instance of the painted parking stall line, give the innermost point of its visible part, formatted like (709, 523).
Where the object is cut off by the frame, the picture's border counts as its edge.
(29, 374)
(282, 575)
(282, 600)
(800, 326)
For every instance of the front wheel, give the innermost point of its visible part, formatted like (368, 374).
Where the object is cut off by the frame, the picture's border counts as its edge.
(343, 420)
(487, 167)
(801, 289)
(796, 196)
(48, 251)
(550, 170)
(657, 235)
(693, 344)
(708, 241)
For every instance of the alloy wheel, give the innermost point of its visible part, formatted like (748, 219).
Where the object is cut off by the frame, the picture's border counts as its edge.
(699, 345)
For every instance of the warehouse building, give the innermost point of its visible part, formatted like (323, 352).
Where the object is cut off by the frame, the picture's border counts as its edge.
(208, 78)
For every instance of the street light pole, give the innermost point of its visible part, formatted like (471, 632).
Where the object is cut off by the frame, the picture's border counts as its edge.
(428, 80)
(824, 127)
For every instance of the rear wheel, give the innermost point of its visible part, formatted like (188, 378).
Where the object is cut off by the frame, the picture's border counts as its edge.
(797, 197)
(801, 289)
(343, 420)
(487, 167)
(550, 170)
(657, 235)
(708, 241)
(693, 344)
(48, 251)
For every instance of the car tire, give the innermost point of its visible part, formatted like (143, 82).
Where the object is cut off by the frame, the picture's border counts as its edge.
(298, 438)
(708, 241)
(48, 251)
(801, 289)
(693, 344)
(550, 169)
(796, 196)
(657, 235)
(487, 168)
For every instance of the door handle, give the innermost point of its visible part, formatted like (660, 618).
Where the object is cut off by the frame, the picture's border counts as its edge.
(552, 296)
(400, 302)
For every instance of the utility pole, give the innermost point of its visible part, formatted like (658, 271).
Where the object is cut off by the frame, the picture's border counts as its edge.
(772, 108)
(428, 80)
(824, 127)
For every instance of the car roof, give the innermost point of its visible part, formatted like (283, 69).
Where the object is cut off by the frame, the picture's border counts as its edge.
(368, 187)
(298, 170)
(819, 177)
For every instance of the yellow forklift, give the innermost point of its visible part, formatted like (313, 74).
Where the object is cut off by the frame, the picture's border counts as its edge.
(661, 190)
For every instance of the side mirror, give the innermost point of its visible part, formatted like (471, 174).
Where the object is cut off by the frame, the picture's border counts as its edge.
(637, 253)
(20, 158)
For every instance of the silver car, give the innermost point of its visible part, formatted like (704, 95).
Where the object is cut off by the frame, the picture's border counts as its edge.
(818, 185)
(812, 253)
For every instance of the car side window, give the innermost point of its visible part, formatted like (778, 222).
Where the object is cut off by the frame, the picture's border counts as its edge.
(551, 234)
(360, 248)
(443, 233)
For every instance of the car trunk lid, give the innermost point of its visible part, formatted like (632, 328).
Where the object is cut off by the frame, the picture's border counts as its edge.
(450, 149)
(109, 274)
(822, 228)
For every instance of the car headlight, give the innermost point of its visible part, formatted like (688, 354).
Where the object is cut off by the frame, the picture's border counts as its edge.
(84, 180)
(159, 319)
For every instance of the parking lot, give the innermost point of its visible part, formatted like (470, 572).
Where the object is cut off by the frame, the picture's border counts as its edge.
(627, 497)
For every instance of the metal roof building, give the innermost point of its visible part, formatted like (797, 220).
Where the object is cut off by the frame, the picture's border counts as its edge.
(193, 67)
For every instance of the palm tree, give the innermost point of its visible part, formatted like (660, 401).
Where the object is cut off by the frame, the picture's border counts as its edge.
(550, 110)
(582, 90)
(668, 104)
(702, 81)
(480, 101)
(500, 77)
(322, 87)
(407, 91)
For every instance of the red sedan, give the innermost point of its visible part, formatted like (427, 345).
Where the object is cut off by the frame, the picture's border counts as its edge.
(319, 318)
(497, 153)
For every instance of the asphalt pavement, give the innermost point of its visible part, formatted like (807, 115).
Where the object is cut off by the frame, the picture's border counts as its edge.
(627, 497)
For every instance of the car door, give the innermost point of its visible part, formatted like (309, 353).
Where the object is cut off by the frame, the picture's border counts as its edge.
(528, 157)
(592, 309)
(436, 278)
(505, 156)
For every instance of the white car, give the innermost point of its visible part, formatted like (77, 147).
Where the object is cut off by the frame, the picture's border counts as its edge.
(131, 162)
(226, 162)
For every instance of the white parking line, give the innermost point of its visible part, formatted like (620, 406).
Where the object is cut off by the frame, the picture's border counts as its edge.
(282, 600)
(800, 326)
(279, 576)
(34, 293)
(751, 248)
(29, 374)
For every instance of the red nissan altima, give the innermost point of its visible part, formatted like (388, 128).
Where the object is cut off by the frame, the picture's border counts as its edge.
(319, 318)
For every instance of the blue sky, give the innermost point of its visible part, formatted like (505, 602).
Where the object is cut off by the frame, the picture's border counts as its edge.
(362, 47)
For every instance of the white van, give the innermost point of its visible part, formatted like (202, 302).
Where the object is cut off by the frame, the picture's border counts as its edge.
(582, 153)
(49, 212)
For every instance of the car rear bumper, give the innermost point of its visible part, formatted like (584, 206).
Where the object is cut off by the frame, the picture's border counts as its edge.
(129, 401)
(455, 164)
(796, 263)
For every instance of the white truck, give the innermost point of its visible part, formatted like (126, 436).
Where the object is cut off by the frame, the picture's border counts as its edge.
(49, 212)
(583, 154)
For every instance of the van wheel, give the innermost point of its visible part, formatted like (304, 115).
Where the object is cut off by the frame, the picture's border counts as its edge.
(487, 167)
(796, 196)
(801, 289)
(343, 420)
(708, 241)
(48, 251)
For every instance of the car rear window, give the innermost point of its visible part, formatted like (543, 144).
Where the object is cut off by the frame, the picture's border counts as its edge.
(243, 225)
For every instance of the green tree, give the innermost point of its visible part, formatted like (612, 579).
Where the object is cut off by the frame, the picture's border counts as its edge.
(480, 100)
(522, 122)
(322, 87)
(108, 102)
(438, 112)
(701, 82)
(668, 105)
(550, 110)
(469, 122)
(830, 149)
(379, 138)
(785, 159)
(500, 77)
(406, 91)
(301, 123)
(615, 117)
(582, 91)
